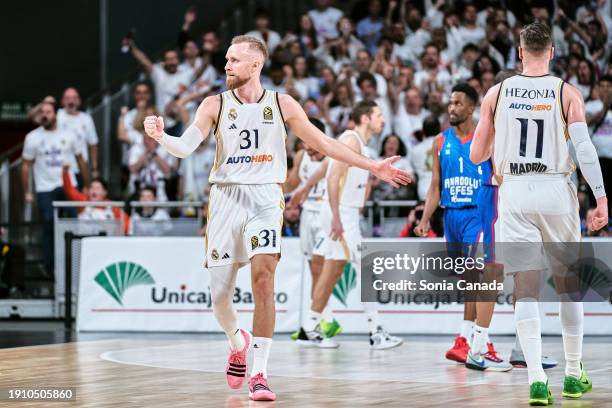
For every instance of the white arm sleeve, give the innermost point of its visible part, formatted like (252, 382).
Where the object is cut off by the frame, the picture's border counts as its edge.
(183, 146)
(587, 157)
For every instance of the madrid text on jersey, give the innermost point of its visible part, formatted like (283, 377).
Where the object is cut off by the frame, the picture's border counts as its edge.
(256, 158)
(523, 168)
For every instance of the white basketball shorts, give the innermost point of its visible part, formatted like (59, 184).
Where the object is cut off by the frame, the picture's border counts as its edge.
(243, 220)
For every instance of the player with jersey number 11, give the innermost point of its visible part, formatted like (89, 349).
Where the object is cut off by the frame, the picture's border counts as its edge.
(246, 199)
(526, 121)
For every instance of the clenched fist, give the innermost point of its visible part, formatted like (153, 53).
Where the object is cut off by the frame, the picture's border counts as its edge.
(154, 127)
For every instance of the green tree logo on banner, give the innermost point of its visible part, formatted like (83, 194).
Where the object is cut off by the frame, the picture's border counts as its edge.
(347, 282)
(117, 277)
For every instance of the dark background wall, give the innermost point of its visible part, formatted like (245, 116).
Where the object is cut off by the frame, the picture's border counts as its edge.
(46, 46)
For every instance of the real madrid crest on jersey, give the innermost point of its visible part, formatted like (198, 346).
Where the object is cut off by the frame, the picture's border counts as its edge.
(267, 113)
(232, 114)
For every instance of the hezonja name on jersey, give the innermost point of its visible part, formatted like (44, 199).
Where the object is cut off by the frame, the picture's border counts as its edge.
(524, 106)
(530, 93)
(256, 158)
(522, 168)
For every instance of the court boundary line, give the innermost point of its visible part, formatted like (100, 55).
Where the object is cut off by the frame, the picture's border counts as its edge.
(105, 356)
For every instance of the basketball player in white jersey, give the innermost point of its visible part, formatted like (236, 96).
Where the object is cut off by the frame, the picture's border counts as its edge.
(246, 200)
(306, 163)
(524, 122)
(346, 195)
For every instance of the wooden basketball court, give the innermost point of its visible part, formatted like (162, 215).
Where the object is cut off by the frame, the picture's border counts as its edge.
(187, 371)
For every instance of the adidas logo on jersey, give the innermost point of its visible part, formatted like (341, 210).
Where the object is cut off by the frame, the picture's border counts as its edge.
(233, 126)
(225, 256)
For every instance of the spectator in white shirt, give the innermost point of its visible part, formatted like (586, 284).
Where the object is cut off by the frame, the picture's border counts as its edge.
(432, 75)
(346, 28)
(334, 53)
(338, 106)
(464, 69)
(82, 124)
(325, 19)
(469, 30)
(417, 36)
(150, 164)
(126, 125)
(364, 63)
(585, 79)
(409, 117)
(447, 54)
(192, 61)
(45, 150)
(327, 82)
(169, 83)
(402, 50)
(262, 30)
(306, 85)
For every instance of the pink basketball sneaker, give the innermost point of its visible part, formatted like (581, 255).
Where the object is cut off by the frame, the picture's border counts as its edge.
(236, 369)
(258, 389)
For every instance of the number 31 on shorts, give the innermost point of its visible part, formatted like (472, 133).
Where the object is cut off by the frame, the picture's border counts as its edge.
(264, 238)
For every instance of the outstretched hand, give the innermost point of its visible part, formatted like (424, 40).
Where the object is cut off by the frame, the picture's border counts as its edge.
(385, 171)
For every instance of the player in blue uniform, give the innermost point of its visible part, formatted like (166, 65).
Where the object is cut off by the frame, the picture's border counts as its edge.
(456, 185)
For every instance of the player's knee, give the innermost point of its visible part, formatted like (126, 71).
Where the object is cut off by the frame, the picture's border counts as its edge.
(221, 296)
(263, 280)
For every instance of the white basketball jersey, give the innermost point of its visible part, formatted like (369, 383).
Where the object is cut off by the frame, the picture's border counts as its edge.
(250, 141)
(307, 168)
(353, 184)
(530, 128)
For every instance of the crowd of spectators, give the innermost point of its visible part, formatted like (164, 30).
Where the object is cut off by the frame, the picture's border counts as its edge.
(405, 55)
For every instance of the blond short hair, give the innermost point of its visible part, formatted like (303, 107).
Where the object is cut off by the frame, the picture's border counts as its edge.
(254, 44)
(536, 38)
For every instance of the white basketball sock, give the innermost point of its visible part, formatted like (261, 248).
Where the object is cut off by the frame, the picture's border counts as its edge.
(222, 284)
(327, 313)
(261, 352)
(530, 334)
(466, 330)
(312, 320)
(572, 326)
(479, 339)
(371, 311)
(236, 339)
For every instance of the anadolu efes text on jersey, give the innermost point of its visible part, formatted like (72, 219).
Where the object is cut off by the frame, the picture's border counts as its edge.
(461, 179)
(530, 127)
(250, 141)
